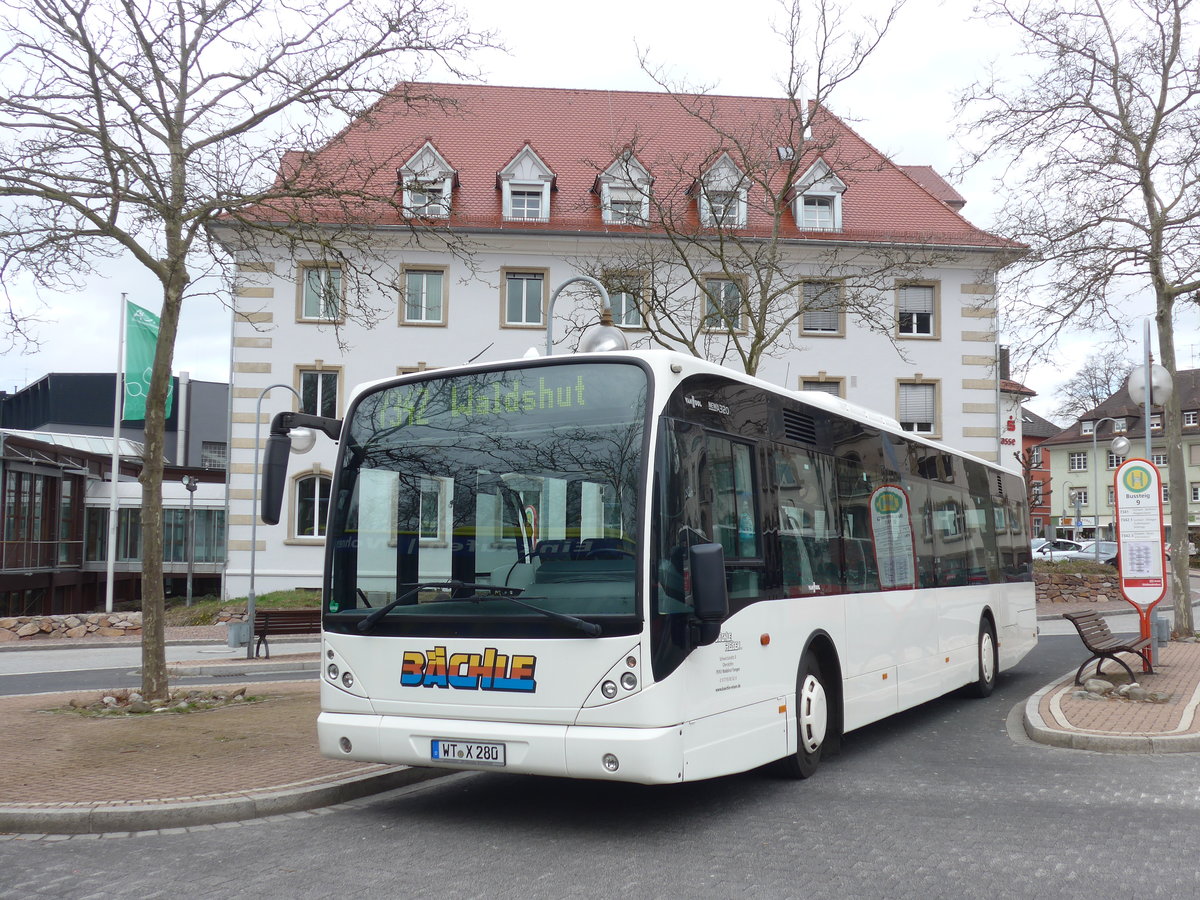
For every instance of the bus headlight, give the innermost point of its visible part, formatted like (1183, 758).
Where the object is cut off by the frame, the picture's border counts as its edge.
(629, 681)
(333, 671)
(348, 679)
(608, 689)
(610, 762)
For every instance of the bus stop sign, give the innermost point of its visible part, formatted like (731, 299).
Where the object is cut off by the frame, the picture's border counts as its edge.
(1140, 543)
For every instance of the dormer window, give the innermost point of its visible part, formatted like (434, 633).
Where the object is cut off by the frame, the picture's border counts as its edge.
(817, 203)
(427, 182)
(1087, 427)
(818, 214)
(525, 185)
(624, 189)
(723, 195)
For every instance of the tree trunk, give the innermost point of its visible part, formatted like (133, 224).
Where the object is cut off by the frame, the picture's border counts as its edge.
(154, 654)
(1177, 479)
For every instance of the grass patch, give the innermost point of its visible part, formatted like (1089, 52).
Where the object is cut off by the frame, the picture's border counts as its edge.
(203, 610)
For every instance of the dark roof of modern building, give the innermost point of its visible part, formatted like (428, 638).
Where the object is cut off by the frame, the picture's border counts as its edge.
(478, 130)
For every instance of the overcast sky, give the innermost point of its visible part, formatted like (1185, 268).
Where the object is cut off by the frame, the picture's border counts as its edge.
(902, 102)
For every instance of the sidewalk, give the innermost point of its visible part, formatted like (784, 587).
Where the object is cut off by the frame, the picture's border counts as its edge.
(101, 775)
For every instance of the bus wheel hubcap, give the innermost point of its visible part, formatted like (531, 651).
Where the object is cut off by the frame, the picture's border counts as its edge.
(813, 714)
(987, 657)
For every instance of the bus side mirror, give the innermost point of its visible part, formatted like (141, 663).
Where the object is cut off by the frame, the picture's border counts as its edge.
(710, 599)
(275, 464)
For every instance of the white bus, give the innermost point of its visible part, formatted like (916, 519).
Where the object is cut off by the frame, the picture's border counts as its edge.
(644, 567)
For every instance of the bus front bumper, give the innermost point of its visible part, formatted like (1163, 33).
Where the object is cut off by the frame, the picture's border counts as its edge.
(642, 755)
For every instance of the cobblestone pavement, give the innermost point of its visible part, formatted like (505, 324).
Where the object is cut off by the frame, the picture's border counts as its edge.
(99, 775)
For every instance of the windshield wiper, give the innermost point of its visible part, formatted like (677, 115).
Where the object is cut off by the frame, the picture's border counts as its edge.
(494, 592)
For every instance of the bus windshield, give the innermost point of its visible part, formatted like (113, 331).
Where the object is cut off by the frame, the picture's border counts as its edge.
(506, 496)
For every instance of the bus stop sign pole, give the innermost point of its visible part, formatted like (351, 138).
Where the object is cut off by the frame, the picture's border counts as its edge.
(1141, 558)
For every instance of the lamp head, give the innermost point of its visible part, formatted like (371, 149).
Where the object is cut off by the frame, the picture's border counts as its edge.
(303, 439)
(605, 337)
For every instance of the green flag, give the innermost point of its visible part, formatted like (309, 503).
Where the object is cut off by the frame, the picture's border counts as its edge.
(141, 338)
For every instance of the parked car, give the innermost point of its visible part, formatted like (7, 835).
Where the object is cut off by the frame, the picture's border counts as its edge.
(1053, 549)
(1087, 553)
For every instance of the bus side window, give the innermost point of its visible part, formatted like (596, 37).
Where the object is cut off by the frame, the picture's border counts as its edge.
(804, 483)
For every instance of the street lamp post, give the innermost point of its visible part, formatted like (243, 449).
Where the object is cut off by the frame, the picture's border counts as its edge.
(190, 482)
(254, 511)
(606, 337)
(1119, 446)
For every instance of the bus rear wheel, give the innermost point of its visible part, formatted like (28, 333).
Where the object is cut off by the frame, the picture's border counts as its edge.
(812, 721)
(989, 662)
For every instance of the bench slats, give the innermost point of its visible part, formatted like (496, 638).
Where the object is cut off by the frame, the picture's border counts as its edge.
(284, 621)
(1103, 644)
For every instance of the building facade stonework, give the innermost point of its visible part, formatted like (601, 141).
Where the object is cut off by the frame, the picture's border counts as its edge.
(506, 194)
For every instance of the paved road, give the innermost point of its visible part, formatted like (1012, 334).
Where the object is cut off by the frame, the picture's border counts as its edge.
(937, 802)
(97, 668)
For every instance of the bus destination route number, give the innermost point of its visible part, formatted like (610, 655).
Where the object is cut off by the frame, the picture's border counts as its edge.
(476, 752)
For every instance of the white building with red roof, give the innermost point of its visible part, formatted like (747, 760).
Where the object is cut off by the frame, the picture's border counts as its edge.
(495, 196)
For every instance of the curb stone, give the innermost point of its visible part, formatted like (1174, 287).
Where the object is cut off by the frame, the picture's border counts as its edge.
(1039, 731)
(100, 818)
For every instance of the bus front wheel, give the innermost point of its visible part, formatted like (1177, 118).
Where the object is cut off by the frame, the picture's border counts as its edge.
(989, 662)
(812, 721)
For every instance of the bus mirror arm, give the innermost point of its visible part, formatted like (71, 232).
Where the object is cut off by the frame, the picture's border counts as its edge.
(710, 599)
(275, 457)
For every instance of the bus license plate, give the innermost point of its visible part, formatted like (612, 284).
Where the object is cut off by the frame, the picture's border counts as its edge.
(477, 753)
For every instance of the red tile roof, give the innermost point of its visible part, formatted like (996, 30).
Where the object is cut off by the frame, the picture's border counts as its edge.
(478, 129)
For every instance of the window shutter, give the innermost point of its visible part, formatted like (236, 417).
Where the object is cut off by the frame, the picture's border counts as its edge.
(820, 306)
(916, 403)
(916, 298)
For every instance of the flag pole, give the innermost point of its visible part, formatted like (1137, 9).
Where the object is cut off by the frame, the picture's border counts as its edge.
(118, 393)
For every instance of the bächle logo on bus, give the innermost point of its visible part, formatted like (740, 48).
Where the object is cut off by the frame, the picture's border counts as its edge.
(486, 671)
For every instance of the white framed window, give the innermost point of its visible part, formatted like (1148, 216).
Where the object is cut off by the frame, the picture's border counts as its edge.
(1078, 496)
(1190, 418)
(318, 392)
(1156, 421)
(424, 296)
(320, 293)
(825, 385)
(723, 193)
(818, 199)
(1118, 426)
(1087, 427)
(427, 201)
(723, 304)
(311, 506)
(1115, 461)
(624, 189)
(818, 213)
(526, 204)
(1159, 459)
(1194, 489)
(625, 298)
(917, 407)
(822, 313)
(1166, 492)
(427, 181)
(524, 298)
(525, 188)
(1035, 458)
(1112, 495)
(1035, 493)
(1077, 462)
(916, 310)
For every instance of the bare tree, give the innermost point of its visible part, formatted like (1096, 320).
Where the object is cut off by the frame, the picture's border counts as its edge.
(716, 267)
(1104, 142)
(1101, 375)
(135, 127)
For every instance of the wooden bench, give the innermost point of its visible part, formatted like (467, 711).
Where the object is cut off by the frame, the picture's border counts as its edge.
(1102, 644)
(269, 622)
